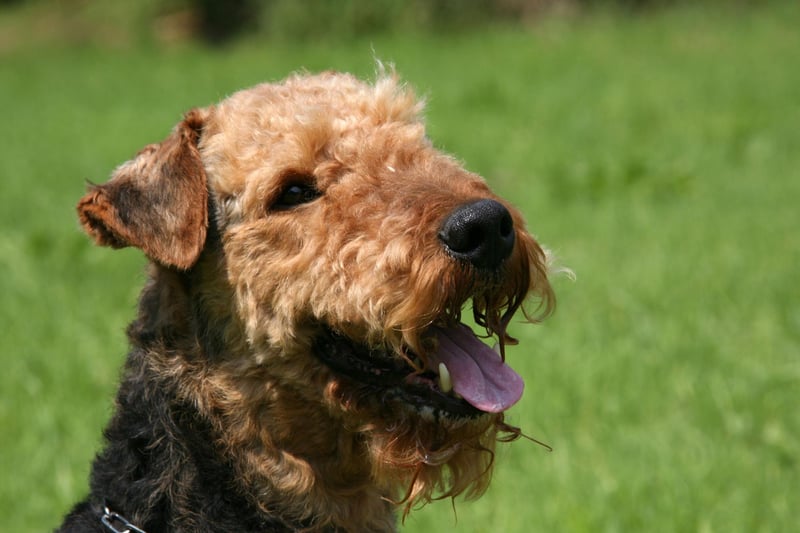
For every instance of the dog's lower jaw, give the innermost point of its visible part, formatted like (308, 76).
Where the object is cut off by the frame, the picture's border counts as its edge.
(339, 463)
(416, 457)
(346, 460)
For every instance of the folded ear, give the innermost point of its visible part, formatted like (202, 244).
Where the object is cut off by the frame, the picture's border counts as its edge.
(157, 201)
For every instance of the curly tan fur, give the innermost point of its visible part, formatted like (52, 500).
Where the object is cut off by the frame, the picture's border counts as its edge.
(242, 288)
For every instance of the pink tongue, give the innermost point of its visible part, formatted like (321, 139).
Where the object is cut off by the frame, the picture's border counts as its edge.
(478, 373)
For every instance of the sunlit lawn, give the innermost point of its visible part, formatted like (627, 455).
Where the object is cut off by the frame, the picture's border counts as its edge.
(659, 156)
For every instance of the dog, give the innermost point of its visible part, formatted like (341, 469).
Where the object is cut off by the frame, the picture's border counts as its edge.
(299, 361)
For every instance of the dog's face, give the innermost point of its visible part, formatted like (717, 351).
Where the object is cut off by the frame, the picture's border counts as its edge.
(351, 246)
(334, 210)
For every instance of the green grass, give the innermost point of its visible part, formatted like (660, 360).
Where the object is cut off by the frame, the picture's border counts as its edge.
(658, 155)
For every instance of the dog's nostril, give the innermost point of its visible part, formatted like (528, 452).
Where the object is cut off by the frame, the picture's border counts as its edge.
(480, 232)
(506, 226)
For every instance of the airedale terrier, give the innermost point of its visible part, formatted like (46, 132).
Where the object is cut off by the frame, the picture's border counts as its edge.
(298, 361)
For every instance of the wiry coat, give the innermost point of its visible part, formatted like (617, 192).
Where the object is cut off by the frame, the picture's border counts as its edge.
(279, 375)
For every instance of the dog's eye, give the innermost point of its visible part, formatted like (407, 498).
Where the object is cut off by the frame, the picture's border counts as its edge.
(295, 194)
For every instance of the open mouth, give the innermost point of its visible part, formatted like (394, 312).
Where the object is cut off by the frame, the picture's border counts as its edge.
(463, 377)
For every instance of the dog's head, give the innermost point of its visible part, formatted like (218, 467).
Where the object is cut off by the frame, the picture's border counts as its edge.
(350, 247)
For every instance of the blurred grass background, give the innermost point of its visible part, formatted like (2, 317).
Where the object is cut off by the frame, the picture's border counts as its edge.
(654, 145)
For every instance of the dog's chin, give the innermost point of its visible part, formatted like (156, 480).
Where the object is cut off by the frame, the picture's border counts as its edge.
(387, 381)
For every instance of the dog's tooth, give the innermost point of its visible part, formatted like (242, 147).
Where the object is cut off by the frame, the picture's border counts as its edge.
(445, 382)
(496, 348)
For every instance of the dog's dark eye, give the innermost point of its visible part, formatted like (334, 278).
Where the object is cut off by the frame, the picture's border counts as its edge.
(296, 194)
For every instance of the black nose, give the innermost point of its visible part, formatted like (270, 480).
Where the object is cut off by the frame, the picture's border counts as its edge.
(480, 232)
